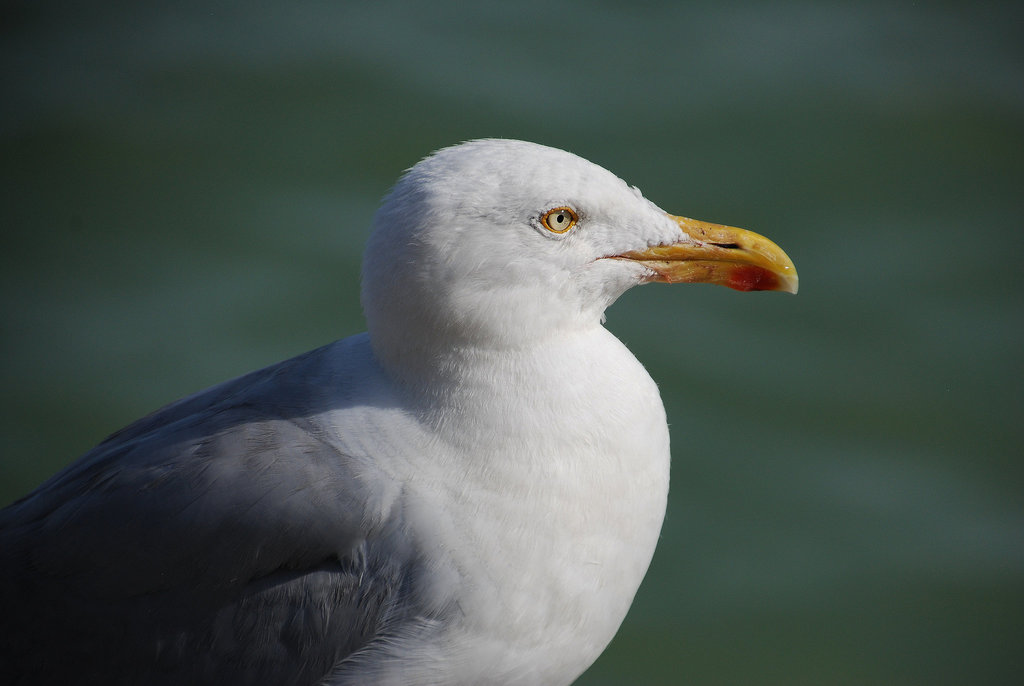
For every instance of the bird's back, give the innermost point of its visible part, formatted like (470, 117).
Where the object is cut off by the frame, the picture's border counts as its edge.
(222, 539)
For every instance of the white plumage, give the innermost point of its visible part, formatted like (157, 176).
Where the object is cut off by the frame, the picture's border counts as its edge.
(470, 493)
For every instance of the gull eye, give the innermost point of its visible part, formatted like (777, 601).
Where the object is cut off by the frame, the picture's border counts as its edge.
(560, 219)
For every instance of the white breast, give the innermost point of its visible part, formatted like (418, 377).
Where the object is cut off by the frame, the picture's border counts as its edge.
(556, 499)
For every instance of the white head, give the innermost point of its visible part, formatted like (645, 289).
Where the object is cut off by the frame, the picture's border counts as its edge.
(501, 243)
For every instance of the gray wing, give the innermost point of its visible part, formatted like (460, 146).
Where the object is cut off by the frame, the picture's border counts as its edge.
(220, 540)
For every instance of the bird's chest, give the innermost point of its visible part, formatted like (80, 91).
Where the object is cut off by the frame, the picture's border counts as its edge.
(556, 506)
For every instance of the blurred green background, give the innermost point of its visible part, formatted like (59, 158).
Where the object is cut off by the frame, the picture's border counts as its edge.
(187, 190)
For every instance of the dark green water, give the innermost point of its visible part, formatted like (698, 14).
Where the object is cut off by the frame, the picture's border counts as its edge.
(187, 191)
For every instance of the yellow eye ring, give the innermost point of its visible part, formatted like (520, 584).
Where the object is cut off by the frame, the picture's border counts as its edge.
(560, 219)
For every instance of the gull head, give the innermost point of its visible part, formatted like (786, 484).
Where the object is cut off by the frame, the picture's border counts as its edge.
(499, 244)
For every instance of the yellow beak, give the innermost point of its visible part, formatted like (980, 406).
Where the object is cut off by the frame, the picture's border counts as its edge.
(719, 254)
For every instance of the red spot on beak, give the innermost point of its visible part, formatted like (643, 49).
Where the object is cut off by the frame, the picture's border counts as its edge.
(751, 278)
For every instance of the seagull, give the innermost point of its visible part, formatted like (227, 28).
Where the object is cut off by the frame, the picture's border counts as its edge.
(468, 493)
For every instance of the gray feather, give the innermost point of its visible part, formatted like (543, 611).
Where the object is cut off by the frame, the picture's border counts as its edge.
(219, 540)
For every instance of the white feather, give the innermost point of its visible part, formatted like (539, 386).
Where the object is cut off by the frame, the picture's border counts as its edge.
(533, 445)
